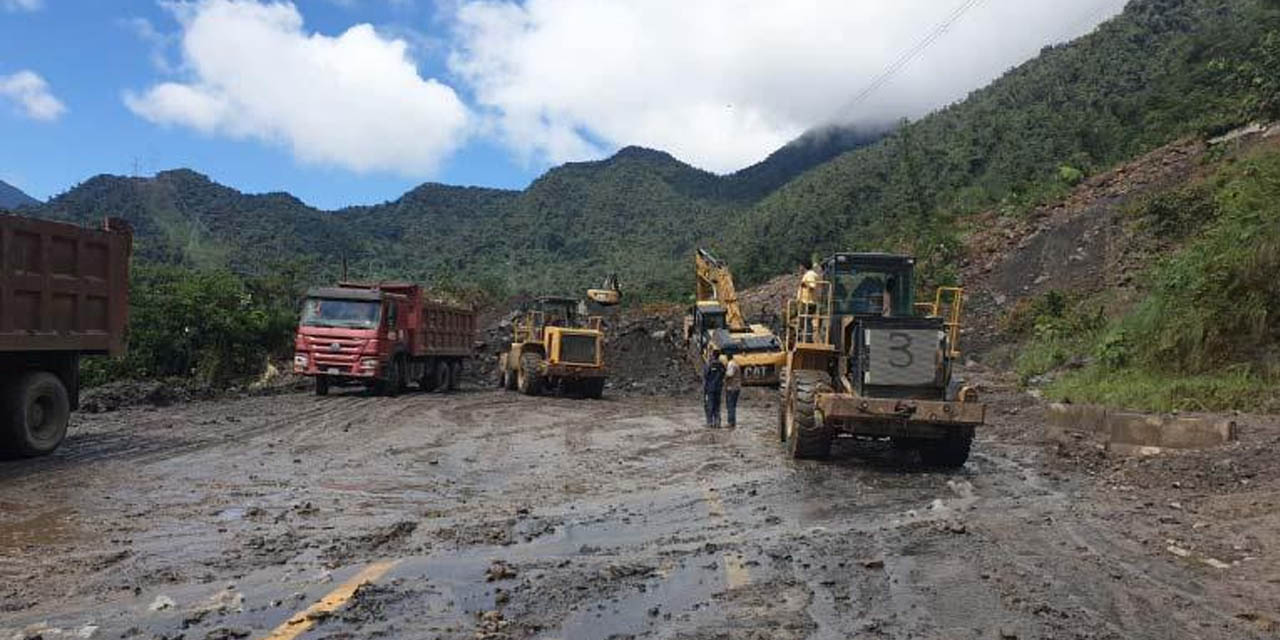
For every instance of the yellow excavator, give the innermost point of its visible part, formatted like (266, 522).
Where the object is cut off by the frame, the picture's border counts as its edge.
(716, 324)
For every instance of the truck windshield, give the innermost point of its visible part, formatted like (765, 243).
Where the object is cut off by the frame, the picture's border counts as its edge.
(871, 292)
(346, 314)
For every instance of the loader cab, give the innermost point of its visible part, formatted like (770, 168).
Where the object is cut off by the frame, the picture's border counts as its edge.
(559, 312)
(870, 284)
(884, 347)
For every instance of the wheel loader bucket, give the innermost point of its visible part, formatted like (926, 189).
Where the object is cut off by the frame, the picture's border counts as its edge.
(604, 297)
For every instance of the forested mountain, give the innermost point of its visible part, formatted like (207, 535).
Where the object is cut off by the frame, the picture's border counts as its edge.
(11, 197)
(1161, 70)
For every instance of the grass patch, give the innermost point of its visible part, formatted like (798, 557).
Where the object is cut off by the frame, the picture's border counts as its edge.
(1146, 391)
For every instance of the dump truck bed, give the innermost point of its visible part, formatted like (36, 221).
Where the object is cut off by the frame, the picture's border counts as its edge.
(62, 287)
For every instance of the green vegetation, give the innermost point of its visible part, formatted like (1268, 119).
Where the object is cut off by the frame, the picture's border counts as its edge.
(1207, 333)
(213, 326)
(1162, 70)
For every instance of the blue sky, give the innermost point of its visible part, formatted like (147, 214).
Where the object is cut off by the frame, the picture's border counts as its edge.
(305, 98)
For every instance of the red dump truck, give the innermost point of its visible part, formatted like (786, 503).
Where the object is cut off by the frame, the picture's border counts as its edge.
(64, 293)
(382, 336)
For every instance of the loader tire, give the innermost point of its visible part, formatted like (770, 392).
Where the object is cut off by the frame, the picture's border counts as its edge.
(593, 388)
(950, 452)
(807, 437)
(528, 378)
(782, 405)
(36, 410)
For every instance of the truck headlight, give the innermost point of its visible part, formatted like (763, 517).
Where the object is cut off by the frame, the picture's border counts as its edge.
(300, 360)
(368, 363)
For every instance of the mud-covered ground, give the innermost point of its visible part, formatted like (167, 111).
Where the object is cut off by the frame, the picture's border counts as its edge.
(485, 514)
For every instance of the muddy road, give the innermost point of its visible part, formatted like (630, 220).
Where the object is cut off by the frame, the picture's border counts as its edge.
(490, 515)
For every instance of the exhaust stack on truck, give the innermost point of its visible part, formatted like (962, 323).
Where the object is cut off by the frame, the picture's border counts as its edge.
(383, 336)
(64, 293)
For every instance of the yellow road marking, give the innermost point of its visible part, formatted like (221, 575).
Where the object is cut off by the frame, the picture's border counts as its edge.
(304, 620)
(735, 571)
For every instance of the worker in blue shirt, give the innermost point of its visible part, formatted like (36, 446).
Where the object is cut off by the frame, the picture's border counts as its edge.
(712, 386)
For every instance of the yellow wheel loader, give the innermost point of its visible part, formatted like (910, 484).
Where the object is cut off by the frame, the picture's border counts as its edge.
(864, 360)
(557, 348)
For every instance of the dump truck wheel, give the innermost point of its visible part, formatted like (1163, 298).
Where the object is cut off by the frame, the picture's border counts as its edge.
(807, 436)
(455, 375)
(428, 380)
(948, 453)
(322, 386)
(36, 411)
(394, 384)
(442, 377)
(528, 378)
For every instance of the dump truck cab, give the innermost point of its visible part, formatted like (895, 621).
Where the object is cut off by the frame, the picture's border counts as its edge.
(381, 335)
(866, 360)
(556, 346)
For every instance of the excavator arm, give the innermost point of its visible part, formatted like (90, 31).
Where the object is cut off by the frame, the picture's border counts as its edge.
(715, 282)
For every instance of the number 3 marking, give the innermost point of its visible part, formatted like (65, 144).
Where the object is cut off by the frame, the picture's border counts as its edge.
(901, 343)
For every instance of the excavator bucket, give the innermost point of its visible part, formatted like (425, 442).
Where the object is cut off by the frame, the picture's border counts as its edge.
(607, 296)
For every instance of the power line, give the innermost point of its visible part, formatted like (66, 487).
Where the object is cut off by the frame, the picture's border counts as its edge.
(911, 54)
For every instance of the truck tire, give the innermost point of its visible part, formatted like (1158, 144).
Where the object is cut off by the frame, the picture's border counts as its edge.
(428, 380)
(36, 410)
(950, 452)
(807, 437)
(443, 380)
(322, 386)
(528, 379)
(395, 382)
(455, 375)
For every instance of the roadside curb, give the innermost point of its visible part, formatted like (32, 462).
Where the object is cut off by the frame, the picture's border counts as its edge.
(1132, 433)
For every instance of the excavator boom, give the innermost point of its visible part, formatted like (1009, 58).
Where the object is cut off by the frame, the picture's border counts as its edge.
(715, 283)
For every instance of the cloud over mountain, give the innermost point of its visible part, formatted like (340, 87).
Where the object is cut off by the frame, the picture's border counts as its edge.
(721, 83)
(354, 101)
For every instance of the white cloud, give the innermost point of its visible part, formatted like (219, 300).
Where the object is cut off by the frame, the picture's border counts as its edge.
(30, 94)
(354, 101)
(721, 83)
(21, 5)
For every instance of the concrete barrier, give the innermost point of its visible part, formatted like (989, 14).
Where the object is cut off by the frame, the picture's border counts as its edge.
(1074, 421)
(1129, 433)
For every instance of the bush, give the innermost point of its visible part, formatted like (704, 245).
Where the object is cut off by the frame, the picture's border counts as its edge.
(214, 326)
(1070, 175)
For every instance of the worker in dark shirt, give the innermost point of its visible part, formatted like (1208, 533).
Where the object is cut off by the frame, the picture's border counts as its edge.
(712, 386)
